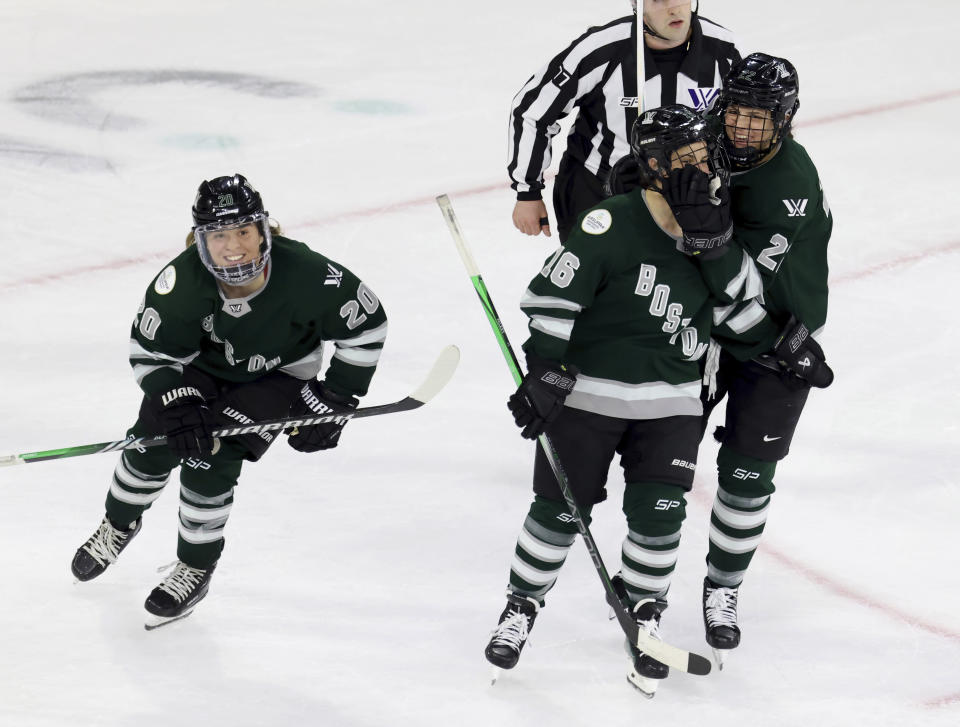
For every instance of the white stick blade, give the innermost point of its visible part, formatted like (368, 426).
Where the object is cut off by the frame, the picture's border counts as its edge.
(439, 375)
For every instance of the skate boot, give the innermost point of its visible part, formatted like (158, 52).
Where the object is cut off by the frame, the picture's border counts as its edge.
(720, 618)
(178, 595)
(507, 640)
(102, 548)
(646, 673)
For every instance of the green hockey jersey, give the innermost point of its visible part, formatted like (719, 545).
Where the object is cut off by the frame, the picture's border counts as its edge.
(307, 300)
(782, 223)
(620, 302)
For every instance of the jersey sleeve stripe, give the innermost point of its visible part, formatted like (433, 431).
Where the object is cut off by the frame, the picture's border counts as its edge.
(138, 352)
(721, 313)
(531, 300)
(359, 356)
(747, 318)
(307, 367)
(376, 335)
(556, 327)
(747, 283)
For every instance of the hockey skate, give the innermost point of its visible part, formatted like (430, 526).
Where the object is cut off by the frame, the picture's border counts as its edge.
(646, 673)
(102, 548)
(720, 619)
(508, 639)
(178, 594)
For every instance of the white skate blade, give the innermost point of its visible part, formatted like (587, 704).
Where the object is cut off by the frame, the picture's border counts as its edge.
(154, 622)
(718, 656)
(494, 674)
(645, 685)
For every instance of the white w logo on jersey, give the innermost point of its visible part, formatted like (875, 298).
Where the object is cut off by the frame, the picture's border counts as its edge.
(796, 207)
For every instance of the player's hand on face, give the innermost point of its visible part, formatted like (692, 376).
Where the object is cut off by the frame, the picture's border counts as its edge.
(701, 205)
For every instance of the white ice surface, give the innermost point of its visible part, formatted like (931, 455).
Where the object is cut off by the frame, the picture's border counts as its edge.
(358, 586)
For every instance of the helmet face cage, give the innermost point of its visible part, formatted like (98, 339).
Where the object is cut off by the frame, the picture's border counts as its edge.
(229, 203)
(754, 111)
(661, 134)
(243, 272)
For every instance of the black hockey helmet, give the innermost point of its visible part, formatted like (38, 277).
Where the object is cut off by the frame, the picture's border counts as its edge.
(759, 81)
(658, 134)
(226, 203)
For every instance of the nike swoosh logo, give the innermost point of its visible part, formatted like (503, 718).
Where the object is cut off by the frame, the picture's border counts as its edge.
(770, 439)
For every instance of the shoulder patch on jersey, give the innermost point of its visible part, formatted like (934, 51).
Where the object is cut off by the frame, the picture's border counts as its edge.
(166, 280)
(796, 207)
(597, 222)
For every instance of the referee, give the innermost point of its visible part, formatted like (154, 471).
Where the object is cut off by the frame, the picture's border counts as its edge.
(685, 58)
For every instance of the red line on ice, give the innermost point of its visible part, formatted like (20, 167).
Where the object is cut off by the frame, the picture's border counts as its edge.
(839, 589)
(703, 495)
(881, 108)
(943, 701)
(121, 263)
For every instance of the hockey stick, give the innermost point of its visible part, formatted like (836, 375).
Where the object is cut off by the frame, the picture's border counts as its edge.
(641, 66)
(438, 377)
(664, 653)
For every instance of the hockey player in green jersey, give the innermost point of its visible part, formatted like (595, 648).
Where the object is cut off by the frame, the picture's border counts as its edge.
(231, 331)
(619, 321)
(783, 224)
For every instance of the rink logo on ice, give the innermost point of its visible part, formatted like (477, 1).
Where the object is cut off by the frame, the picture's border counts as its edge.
(796, 207)
(702, 97)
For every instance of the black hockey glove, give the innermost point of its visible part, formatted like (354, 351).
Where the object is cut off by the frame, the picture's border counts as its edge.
(317, 400)
(624, 177)
(539, 399)
(701, 205)
(186, 421)
(798, 353)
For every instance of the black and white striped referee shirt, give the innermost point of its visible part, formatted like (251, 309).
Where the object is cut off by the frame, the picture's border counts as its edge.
(597, 74)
